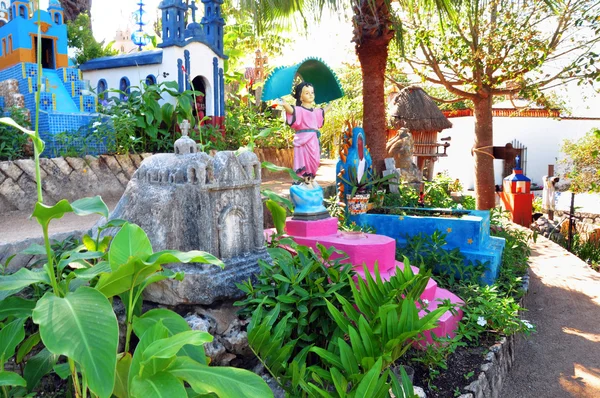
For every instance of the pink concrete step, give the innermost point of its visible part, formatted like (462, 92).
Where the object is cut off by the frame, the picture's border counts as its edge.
(363, 252)
(447, 323)
(429, 292)
(432, 296)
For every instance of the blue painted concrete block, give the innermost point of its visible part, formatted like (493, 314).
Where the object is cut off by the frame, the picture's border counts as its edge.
(469, 233)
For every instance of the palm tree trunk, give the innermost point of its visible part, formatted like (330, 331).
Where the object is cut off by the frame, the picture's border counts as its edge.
(372, 36)
(72, 8)
(483, 151)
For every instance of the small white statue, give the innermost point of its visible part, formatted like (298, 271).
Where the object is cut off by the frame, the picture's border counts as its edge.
(548, 192)
(185, 144)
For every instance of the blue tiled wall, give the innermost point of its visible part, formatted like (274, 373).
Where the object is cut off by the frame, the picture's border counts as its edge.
(81, 134)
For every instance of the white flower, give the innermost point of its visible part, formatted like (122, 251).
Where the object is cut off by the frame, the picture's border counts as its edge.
(96, 124)
(132, 138)
(527, 323)
(481, 321)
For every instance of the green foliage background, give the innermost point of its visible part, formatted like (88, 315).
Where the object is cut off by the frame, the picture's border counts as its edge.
(582, 162)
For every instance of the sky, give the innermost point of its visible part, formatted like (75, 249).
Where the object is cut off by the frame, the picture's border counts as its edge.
(329, 40)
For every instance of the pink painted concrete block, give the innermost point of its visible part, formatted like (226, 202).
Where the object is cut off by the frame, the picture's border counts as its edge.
(305, 229)
(447, 323)
(364, 251)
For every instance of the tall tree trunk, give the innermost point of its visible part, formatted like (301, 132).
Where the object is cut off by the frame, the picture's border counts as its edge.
(373, 58)
(483, 152)
(372, 35)
(72, 8)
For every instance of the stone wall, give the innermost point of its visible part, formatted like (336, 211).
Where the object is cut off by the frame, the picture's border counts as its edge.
(9, 91)
(65, 178)
(580, 218)
(76, 178)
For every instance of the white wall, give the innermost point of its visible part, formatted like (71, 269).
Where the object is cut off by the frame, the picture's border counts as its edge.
(201, 63)
(543, 138)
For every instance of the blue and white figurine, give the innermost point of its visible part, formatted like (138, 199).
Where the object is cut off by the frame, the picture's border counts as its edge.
(307, 197)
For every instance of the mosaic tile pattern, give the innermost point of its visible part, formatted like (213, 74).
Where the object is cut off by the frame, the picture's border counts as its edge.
(60, 131)
(46, 102)
(88, 103)
(68, 131)
(68, 74)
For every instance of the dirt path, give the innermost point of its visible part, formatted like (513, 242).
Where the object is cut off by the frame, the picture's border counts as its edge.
(562, 359)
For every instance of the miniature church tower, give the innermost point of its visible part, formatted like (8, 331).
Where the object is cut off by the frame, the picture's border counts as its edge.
(56, 12)
(18, 33)
(213, 23)
(20, 8)
(4, 13)
(173, 23)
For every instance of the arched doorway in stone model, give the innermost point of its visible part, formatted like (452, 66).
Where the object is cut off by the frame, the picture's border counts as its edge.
(199, 110)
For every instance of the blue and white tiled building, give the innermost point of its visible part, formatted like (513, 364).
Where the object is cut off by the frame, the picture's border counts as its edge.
(190, 53)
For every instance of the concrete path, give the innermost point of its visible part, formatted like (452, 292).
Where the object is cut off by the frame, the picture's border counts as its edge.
(562, 359)
(16, 226)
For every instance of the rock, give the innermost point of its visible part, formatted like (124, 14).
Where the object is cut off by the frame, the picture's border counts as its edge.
(214, 350)
(236, 339)
(401, 148)
(200, 323)
(230, 339)
(278, 392)
(195, 202)
(420, 392)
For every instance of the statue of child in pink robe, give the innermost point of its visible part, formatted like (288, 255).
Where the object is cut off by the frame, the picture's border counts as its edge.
(306, 120)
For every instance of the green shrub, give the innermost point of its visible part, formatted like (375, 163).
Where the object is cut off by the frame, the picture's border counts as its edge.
(488, 310)
(12, 141)
(428, 252)
(436, 195)
(141, 123)
(300, 284)
(244, 123)
(582, 162)
(307, 330)
(587, 249)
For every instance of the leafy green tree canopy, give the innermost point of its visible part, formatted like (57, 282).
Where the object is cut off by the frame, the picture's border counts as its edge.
(582, 162)
(488, 48)
(80, 37)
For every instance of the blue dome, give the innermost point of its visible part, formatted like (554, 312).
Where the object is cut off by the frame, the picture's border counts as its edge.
(54, 4)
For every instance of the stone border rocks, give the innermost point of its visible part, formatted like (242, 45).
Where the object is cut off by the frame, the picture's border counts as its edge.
(65, 178)
(498, 362)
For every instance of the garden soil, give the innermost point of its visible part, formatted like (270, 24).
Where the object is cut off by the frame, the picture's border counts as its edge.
(562, 358)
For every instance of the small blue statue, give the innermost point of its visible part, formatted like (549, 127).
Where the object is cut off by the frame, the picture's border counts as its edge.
(355, 164)
(307, 197)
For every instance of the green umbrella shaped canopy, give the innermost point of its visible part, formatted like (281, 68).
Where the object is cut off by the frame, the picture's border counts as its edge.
(312, 70)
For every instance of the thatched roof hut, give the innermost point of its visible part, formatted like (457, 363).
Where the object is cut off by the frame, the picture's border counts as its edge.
(416, 111)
